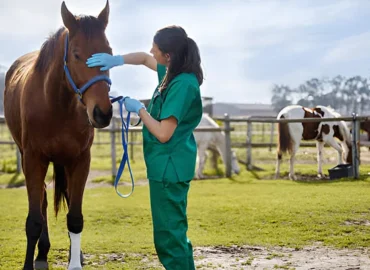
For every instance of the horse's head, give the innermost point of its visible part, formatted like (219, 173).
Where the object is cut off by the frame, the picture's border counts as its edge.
(86, 36)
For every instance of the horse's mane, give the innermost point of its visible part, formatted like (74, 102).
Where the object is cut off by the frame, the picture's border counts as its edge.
(88, 25)
(48, 50)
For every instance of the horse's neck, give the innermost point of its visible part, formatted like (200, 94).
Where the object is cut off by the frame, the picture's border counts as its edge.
(56, 90)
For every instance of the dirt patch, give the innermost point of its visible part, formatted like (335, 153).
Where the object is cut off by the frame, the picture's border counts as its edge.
(251, 257)
(248, 257)
(299, 177)
(357, 222)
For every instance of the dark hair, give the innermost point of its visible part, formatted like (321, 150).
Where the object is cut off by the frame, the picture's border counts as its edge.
(183, 51)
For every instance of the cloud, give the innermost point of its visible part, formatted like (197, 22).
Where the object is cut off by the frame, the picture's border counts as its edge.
(349, 49)
(246, 46)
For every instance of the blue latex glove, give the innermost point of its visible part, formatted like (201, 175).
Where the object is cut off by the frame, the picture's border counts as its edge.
(133, 105)
(107, 61)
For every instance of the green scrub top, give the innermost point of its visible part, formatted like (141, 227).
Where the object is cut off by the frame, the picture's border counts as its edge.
(182, 100)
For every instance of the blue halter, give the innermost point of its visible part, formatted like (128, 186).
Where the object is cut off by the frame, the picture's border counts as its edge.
(124, 128)
(80, 91)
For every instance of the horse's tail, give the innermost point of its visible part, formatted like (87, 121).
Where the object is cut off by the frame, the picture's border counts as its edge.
(60, 187)
(284, 139)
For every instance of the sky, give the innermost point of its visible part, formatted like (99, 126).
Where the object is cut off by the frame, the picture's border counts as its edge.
(246, 46)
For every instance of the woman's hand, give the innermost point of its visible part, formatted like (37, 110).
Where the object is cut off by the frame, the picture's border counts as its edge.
(133, 105)
(107, 61)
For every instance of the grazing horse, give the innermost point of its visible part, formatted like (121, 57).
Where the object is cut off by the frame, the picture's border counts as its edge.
(215, 142)
(291, 134)
(52, 103)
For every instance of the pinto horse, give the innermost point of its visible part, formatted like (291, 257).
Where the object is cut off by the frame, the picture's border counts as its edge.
(52, 103)
(291, 134)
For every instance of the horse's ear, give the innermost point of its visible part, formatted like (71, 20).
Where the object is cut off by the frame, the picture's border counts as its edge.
(104, 15)
(69, 19)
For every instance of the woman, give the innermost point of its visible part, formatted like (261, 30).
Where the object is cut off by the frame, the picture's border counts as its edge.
(170, 149)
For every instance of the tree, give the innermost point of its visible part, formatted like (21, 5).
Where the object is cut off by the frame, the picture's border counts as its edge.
(342, 94)
(281, 97)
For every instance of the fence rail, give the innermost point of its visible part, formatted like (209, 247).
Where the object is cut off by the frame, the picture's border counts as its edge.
(227, 129)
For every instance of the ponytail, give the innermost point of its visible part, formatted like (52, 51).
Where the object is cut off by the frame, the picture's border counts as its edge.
(192, 63)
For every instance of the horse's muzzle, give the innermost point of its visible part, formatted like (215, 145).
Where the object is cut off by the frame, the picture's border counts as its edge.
(101, 119)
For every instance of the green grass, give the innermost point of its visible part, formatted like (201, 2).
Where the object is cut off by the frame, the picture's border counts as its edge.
(236, 211)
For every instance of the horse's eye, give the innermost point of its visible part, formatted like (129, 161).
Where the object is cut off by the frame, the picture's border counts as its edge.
(77, 57)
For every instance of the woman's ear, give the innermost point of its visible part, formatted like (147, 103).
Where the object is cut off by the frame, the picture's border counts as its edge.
(168, 57)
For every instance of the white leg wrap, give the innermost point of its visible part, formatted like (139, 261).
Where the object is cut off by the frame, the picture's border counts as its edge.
(75, 262)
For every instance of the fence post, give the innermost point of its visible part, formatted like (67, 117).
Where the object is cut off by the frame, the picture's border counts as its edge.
(113, 148)
(19, 160)
(227, 145)
(355, 152)
(249, 145)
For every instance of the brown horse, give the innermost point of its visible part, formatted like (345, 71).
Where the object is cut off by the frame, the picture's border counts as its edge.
(51, 123)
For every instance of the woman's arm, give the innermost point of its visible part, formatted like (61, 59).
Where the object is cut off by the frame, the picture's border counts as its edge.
(162, 130)
(107, 61)
(140, 58)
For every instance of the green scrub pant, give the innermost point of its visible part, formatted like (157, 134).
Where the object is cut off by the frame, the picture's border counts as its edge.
(168, 201)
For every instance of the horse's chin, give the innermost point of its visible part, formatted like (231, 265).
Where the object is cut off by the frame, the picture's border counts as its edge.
(95, 125)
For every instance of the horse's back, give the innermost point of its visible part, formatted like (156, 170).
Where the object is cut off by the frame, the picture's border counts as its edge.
(291, 111)
(208, 138)
(15, 80)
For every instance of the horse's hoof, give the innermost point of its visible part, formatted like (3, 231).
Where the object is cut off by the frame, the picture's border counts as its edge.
(41, 265)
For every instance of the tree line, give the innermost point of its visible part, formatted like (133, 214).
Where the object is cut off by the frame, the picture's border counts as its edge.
(345, 95)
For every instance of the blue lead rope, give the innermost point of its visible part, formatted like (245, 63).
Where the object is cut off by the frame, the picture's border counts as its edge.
(124, 135)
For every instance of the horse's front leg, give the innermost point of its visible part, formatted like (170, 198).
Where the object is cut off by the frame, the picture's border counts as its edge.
(76, 176)
(41, 261)
(34, 168)
(320, 148)
(214, 158)
(333, 143)
(202, 158)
